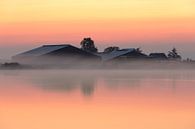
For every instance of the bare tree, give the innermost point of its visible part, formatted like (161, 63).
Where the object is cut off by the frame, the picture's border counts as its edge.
(174, 55)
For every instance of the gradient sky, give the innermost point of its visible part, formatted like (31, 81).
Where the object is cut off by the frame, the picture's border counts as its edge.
(154, 25)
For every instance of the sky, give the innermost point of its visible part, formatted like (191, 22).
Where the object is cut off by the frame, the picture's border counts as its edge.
(153, 25)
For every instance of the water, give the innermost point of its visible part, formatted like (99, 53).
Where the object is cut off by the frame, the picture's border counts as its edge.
(73, 99)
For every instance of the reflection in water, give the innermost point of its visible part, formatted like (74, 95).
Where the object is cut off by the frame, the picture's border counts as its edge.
(86, 81)
(88, 87)
(65, 82)
(55, 99)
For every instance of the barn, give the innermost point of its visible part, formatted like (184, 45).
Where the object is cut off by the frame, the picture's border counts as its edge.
(122, 55)
(55, 54)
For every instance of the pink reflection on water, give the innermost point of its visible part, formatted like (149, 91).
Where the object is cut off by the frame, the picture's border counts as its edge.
(138, 101)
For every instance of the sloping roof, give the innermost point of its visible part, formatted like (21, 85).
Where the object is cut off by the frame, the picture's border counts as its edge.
(114, 54)
(43, 50)
(158, 55)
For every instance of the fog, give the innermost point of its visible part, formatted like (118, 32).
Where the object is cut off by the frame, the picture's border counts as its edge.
(185, 49)
(65, 81)
(96, 64)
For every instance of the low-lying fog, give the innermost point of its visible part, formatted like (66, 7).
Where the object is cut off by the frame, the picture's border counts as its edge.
(88, 80)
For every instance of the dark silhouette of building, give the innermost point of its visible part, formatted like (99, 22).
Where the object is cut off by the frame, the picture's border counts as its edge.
(114, 53)
(55, 54)
(68, 54)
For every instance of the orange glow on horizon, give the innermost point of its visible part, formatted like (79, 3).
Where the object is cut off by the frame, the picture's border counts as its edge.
(101, 31)
(124, 21)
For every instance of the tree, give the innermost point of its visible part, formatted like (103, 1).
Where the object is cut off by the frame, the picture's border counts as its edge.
(174, 55)
(87, 44)
(110, 49)
(138, 50)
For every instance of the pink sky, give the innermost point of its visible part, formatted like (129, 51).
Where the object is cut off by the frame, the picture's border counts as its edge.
(154, 25)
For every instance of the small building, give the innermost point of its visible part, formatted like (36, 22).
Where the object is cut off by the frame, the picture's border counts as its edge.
(55, 54)
(122, 55)
(158, 56)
